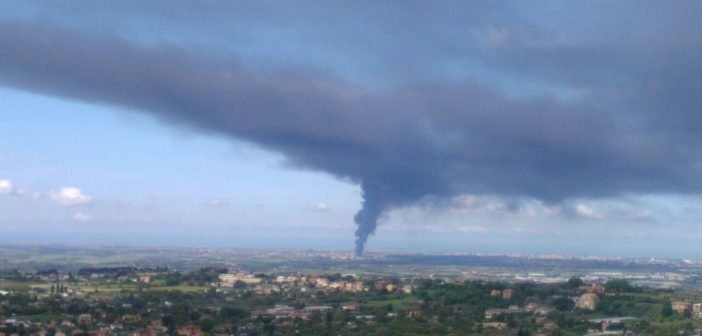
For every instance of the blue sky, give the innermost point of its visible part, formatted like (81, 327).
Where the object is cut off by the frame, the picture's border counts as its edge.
(142, 175)
(461, 127)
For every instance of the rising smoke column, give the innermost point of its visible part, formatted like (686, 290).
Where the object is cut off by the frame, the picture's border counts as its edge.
(384, 193)
(366, 220)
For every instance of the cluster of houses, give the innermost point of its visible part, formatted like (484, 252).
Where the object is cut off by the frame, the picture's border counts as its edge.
(587, 299)
(684, 307)
(530, 308)
(265, 286)
(285, 312)
(86, 325)
(505, 294)
(118, 274)
(285, 315)
(609, 326)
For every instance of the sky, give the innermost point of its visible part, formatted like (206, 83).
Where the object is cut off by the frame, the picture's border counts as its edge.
(568, 127)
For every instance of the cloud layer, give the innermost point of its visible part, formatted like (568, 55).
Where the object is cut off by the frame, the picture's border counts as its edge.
(618, 112)
(6, 187)
(82, 217)
(69, 196)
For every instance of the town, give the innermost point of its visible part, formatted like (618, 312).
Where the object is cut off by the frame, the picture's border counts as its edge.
(248, 300)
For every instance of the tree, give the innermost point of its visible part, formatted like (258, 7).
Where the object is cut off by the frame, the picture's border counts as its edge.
(269, 328)
(511, 323)
(574, 282)
(563, 304)
(233, 312)
(667, 309)
(206, 324)
(618, 286)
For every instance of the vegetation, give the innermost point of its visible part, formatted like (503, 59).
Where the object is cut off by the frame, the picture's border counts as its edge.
(198, 301)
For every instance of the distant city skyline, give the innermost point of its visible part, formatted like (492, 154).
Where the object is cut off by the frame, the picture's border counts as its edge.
(567, 127)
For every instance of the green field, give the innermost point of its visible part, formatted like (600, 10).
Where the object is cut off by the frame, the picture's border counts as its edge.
(113, 288)
(100, 288)
(397, 303)
(14, 286)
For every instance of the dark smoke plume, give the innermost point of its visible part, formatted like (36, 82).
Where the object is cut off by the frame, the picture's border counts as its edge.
(366, 219)
(439, 138)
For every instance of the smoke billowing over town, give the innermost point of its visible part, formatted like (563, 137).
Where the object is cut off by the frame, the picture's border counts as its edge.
(356, 168)
(575, 113)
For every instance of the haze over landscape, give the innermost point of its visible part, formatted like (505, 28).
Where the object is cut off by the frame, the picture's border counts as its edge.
(475, 126)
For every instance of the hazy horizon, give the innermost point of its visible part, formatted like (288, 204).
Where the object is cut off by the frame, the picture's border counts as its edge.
(403, 244)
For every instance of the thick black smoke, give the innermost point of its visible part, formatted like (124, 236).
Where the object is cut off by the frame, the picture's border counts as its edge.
(367, 220)
(635, 129)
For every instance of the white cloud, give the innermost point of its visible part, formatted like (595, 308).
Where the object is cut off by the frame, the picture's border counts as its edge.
(511, 210)
(218, 203)
(465, 202)
(496, 35)
(5, 187)
(639, 215)
(21, 192)
(82, 217)
(584, 211)
(526, 211)
(431, 228)
(321, 207)
(491, 37)
(68, 196)
(552, 210)
(473, 229)
(523, 229)
(496, 207)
